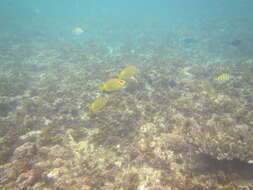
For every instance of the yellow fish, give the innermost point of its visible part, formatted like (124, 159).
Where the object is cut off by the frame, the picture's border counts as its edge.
(112, 84)
(98, 104)
(223, 77)
(78, 31)
(128, 72)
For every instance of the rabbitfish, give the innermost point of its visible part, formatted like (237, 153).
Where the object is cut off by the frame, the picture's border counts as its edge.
(112, 84)
(98, 104)
(128, 72)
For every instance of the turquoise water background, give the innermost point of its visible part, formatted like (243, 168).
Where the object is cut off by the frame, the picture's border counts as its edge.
(106, 18)
(126, 95)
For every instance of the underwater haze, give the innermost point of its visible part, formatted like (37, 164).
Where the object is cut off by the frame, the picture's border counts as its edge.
(126, 95)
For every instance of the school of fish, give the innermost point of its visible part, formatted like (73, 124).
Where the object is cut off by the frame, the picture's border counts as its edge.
(111, 85)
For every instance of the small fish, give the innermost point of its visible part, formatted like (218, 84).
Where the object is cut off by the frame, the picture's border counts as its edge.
(78, 31)
(223, 77)
(128, 72)
(236, 42)
(186, 72)
(98, 104)
(112, 84)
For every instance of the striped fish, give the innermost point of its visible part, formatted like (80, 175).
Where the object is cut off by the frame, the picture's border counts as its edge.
(223, 77)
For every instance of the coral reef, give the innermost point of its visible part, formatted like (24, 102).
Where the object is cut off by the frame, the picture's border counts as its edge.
(172, 126)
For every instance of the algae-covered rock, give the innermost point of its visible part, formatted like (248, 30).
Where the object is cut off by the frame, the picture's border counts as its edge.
(222, 138)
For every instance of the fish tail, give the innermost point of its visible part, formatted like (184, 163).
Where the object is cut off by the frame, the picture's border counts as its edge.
(90, 113)
(102, 86)
(119, 76)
